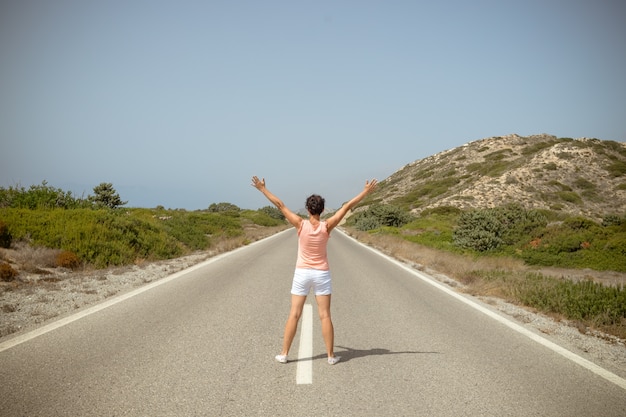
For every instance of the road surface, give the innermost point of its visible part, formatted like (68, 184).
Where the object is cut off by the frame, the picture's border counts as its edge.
(202, 344)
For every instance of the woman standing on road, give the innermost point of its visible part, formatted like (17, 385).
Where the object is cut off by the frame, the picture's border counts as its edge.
(312, 269)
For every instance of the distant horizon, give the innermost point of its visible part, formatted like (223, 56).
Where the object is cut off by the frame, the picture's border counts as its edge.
(72, 187)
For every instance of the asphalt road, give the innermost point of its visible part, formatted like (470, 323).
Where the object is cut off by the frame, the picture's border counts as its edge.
(203, 345)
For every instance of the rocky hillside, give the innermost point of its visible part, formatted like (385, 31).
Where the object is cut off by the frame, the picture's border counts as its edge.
(574, 176)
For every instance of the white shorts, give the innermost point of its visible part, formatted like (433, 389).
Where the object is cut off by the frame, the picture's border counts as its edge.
(305, 279)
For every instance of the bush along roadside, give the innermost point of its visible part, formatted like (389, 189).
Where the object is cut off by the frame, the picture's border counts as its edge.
(105, 237)
(539, 240)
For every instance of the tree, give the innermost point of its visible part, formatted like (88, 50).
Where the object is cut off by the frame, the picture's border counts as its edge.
(221, 207)
(106, 196)
(273, 212)
(39, 197)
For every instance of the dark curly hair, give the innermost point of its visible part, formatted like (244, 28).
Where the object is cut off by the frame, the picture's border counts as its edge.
(315, 204)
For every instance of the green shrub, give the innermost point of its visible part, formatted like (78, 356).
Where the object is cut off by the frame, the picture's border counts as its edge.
(222, 207)
(579, 223)
(586, 300)
(617, 169)
(433, 228)
(570, 197)
(378, 215)
(438, 187)
(262, 218)
(5, 235)
(562, 187)
(367, 223)
(479, 230)
(489, 168)
(442, 211)
(608, 220)
(488, 229)
(539, 146)
(101, 237)
(272, 212)
(584, 184)
(613, 146)
(577, 242)
(593, 304)
(266, 221)
(409, 200)
(40, 196)
(98, 237)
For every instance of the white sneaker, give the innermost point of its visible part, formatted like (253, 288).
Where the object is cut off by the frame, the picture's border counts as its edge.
(281, 358)
(333, 360)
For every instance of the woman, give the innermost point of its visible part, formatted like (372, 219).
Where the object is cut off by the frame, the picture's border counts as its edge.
(312, 269)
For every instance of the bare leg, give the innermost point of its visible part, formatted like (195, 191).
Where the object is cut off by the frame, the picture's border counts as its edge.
(328, 331)
(297, 304)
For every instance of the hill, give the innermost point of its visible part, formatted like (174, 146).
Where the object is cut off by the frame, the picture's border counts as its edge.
(584, 176)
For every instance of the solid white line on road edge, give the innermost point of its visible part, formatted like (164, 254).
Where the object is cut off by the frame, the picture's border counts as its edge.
(609, 376)
(69, 319)
(304, 372)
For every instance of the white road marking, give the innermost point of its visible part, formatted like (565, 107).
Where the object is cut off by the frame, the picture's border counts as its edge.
(304, 372)
(609, 376)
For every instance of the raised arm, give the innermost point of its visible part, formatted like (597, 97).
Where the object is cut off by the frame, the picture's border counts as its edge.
(336, 218)
(291, 217)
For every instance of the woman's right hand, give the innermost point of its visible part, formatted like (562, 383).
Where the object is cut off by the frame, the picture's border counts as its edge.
(257, 183)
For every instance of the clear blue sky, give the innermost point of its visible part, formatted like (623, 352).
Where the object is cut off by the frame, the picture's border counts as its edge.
(179, 103)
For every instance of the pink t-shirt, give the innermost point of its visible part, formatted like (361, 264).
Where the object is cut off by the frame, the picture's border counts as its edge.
(312, 246)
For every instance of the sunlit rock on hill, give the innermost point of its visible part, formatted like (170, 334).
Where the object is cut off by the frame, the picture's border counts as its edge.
(575, 176)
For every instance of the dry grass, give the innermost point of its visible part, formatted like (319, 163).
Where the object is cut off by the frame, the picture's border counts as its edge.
(474, 275)
(38, 269)
(30, 259)
(43, 290)
(465, 269)
(41, 279)
(251, 234)
(461, 268)
(254, 232)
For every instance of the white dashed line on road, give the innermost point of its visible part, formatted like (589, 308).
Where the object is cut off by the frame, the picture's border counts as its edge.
(304, 372)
